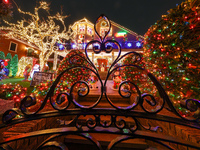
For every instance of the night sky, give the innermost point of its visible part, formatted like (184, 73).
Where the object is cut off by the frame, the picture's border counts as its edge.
(136, 15)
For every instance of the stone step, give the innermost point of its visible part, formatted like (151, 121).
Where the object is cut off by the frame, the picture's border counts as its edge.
(116, 99)
(104, 104)
(78, 142)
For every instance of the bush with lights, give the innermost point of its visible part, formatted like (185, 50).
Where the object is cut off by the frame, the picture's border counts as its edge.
(68, 78)
(137, 76)
(12, 92)
(172, 51)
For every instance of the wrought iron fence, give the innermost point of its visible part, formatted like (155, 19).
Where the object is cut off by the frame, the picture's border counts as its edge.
(144, 106)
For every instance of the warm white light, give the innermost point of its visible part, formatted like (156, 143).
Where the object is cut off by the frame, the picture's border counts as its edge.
(41, 34)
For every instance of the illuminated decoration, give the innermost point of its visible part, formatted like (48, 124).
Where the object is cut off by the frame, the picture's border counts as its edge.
(80, 26)
(23, 62)
(104, 27)
(81, 29)
(172, 52)
(61, 47)
(104, 24)
(137, 76)
(36, 68)
(109, 45)
(3, 71)
(89, 31)
(69, 78)
(129, 44)
(96, 45)
(120, 34)
(12, 92)
(74, 46)
(42, 34)
(9, 56)
(138, 44)
(84, 45)
(6, 1)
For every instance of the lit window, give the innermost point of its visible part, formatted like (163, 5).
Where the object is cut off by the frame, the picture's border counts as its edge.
(89, 31)
(81, 28)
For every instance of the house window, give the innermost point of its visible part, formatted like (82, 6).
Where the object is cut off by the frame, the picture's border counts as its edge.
(89, 31)
(13, 47)
(82, 29)
(30, 52)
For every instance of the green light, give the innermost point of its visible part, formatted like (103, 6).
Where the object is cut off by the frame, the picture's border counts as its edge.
(154, 52)
(173, 44)
(187, 79)
(125, 130)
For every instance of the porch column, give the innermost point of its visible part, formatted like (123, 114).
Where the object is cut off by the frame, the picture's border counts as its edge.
(113, 56)
(93, 57)
(55, 61)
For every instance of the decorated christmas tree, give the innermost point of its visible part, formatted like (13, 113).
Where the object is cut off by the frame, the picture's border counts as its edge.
(14, 65)
(172, 51)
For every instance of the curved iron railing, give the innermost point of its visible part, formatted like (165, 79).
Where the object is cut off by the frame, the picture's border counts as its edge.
(117, 123)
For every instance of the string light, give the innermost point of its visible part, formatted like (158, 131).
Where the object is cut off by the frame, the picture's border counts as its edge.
(41, 34)
(175, 58)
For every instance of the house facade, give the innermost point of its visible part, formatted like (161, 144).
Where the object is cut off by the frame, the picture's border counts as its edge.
(84, 32)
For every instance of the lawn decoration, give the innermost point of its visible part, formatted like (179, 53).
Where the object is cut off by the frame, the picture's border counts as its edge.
(4, 72)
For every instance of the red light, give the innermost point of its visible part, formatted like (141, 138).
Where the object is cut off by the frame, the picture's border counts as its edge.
(5, 1)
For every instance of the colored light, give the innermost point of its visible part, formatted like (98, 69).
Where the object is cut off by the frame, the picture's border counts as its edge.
(73, 46)
(120, 34)
(6, 1)
(129, 44)
(61, 47)
(138, 44)
(84, 45)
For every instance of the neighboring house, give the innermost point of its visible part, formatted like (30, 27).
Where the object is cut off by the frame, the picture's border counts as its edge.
(19, 47)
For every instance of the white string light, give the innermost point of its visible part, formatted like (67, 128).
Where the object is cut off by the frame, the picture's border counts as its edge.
(42, 34)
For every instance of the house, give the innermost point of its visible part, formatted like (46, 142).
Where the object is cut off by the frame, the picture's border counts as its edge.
(85, 32)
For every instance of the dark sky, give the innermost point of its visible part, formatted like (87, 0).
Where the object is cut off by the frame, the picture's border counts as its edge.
(136, 15)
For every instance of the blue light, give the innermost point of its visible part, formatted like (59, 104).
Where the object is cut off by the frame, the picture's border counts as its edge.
(129, 44)
(73, 46)
(84, 45)
(109, 45)
(138, 44)
(96, 46)
(61, 47)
